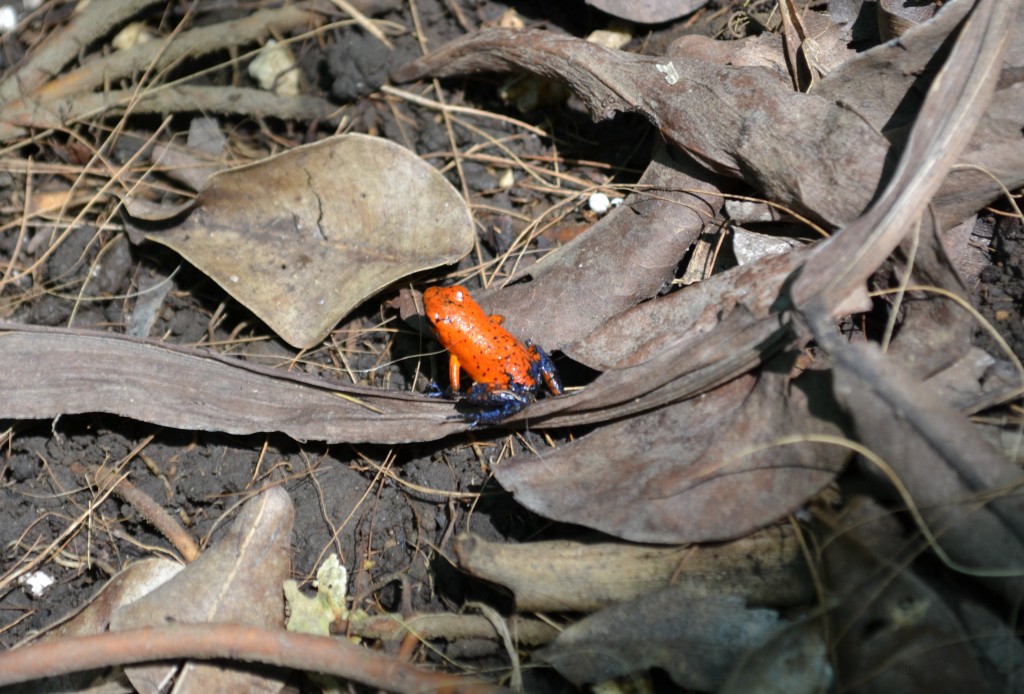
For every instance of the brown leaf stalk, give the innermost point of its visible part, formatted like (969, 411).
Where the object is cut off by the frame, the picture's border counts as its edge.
(279, 648)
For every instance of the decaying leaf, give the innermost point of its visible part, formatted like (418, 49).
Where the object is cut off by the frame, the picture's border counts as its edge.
(765, 568)
(697, 642)
(886, 84)
(303, 237)
(674, 475)
(652, 328)
(315, 615)
(939, 457)
(798, 149)
(239, 581)
(892, 632)
(103, 372)
(135, 581)
(794, 658)
(627, 257)
(896, 17)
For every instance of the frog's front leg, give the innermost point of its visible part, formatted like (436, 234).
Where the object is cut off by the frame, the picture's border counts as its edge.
(543, 368)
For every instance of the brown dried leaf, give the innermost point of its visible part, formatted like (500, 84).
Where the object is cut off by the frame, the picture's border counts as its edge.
(943, 463)
(940, 458)
(794, 659)
(954, 106)
(238, 581)
(642, 333)
(886, 84)
(799, 149)
(697, 642)
(627, 257)
(674, 475)
(49, 371)
(896, 17)
(895, 633)
(766, 568)
(130, 584)
(303, 237)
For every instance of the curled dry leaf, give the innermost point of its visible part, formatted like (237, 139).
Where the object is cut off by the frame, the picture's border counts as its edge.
(674, 475)
(627, 257)
(798, 149)
(237, 581)
(764, 568)
(939, 456)
(130, 584)
(896, 17)
(697, 642)
(886, 84)
(303, 237)
(102, 372)
(893, 632)
(793, 659)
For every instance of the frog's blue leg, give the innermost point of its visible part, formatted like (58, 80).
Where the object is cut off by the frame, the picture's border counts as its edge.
(494, 405)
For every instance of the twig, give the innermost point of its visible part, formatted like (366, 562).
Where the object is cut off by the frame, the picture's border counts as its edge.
(163, 100)
(63, 46)
(54, 103)
(158, 55)
(450, 627)
(275, 647)
(363, 21)
(149, 509)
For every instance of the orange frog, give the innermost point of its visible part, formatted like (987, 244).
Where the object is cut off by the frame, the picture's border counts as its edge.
(506, 373)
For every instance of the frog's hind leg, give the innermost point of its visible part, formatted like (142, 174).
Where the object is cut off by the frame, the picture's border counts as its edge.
(493, 404)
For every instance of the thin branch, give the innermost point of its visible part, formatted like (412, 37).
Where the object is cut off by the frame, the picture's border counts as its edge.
(285, 649)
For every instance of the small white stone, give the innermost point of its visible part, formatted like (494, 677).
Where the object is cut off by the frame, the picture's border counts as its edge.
(37, 582)
(599, 203)
(670, 72)
(276, 69)
(8, 18)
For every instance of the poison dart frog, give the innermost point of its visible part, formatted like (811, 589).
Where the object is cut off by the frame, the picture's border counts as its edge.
(506, 373)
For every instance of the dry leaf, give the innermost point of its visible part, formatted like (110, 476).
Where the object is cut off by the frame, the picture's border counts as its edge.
(640, 334)
(893, 633)
(795, 659)
(886, 84)
(239, 581)
(303, 237)
(629, 256)
(674, 475)
(103, 372)
(765, 568)
(798, 149)
(130, 584)
(940, 458)
(697, 642)
(896, 17)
